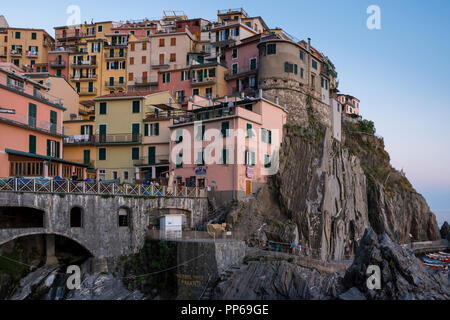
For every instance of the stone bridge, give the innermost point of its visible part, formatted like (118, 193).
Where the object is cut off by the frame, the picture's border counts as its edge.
(105, 225)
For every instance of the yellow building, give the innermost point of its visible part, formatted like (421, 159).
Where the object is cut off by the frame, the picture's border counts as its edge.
(114, 67)
(208, 80)
(127, 146)
(26, 48)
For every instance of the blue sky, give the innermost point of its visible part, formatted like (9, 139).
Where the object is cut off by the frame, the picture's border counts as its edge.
(400, 73)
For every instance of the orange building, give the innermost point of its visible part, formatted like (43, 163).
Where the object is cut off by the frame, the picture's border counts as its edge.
(31, 130)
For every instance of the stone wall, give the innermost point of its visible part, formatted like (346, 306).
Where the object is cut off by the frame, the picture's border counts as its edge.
(100, 234)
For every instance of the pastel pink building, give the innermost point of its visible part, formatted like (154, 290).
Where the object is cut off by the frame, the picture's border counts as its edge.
(177, 82)
(350, 104)
(249, 132)
(31, 130)
(242, 62)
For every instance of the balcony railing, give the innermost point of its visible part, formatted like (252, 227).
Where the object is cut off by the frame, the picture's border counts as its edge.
(32, 54)
(158, 159)
(114, 57)
(80, 139)
(47, 97)
(68, 35)
(57, 64)
(87, 92)
(32, 123)
(84, 64)
(118, 138)
(202, 81)
(46, 185)
(15, 52)
(114, 84)
(83, 78)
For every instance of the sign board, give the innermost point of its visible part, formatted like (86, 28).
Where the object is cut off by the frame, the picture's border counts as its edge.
(200, 170)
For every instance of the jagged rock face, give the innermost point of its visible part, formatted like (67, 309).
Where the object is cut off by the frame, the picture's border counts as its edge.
(278, 280)
(445, 231)
(323, 188)
(401, 213)
(403, 276)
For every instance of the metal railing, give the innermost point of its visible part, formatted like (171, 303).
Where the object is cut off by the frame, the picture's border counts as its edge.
(158, 159)
(32, 122)
(57, 63)
(45, 185)
(193, 235)
(118, 138)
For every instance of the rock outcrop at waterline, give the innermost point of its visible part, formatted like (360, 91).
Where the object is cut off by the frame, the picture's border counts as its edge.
(403, 276)
(445, 231)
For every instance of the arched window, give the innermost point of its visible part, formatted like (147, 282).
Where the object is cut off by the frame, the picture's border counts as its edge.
(76, 217)
(124, 217)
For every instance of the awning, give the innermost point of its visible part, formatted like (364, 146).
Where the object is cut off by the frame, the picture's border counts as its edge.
(38, 156)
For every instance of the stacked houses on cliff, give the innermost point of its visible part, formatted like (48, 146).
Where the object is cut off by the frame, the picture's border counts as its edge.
(131, 93)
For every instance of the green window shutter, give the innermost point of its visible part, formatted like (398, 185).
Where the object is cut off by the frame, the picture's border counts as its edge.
(168, 77)
(182, 75)
(32, 144)
(146, 129)
(225, 128)
(91, 129)
(82, 129)
(286, 66)
(102, 108)
(253, 159)
(266, 161)
(224, 156)
(102, 154)
(32, 114)
(33, 36)
(156, 129)
(249, 130)
(136, 106)
(295, 69)
(151, 155)
(270, 136)
(57, 155)
(86, 156)
(135, 153)
(263, 135)
(48, 148)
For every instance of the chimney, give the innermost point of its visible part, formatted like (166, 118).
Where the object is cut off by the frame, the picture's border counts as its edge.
(308, 47)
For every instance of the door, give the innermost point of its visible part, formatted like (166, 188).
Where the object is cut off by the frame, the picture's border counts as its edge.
(32, 115)
(248, 186)
(53, 121)
(102, 132)
(151, 155)
(135, 130)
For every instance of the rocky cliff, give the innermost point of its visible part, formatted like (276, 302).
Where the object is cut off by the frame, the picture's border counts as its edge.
(327, 192)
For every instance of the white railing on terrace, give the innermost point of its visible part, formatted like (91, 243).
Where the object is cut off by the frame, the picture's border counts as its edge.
(47, 185)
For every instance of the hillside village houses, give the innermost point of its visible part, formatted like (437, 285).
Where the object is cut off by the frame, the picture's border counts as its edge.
(116, 100)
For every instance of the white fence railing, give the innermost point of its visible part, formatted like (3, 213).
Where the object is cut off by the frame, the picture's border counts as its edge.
(45, 185)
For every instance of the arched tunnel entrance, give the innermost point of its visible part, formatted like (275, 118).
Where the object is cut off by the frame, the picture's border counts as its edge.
(21, 217)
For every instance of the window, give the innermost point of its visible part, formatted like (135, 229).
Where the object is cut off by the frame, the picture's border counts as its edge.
(224, 156)
(173, 57)
(267, 163)
(234, 53)
(253, 64)
(291, 68)
(120, 80)
(151, 129)
(102, 154)
(32, 144)
(234, 68)
(271, 48)
(179, 160)
(173, 41)
(200, 158)
(33, 36)
(125, 175)
(132, 47)
(212, 72)
(131, 60)
(314, 64)
(249, 107)
(17, 34)
(249, 130)
(166, 77)
(301, 73)
(144, 59)
(76, 217)
(195, 92)
(161, 42)
(102, 108)
(123, 217)
(100, 28)
(208, 92)
(130, 76)
(250, 158)
(179, 135)
(302, 55)
(200, 133)
(135, 153)
(136, 106)
(144, 46)
(53, 148)
(102, 174)
(225, 128)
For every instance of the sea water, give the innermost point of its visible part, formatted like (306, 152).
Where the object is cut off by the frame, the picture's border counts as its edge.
(442, 216)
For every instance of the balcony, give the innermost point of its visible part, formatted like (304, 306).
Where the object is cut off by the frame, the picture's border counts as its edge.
(120, 138)
(144, 81)
(203, 81)
(47, 97)
(114, 85)
(87, 92)
(84, 64)
(3, 51)
(32, 54)
(118, 57)
(15, 53)
(243, 70)
(158, 159)
(57, 64)
(89, 34)
(68, 35)
(32, 123)
(79, 139)
(160, 66)
(89, 77)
